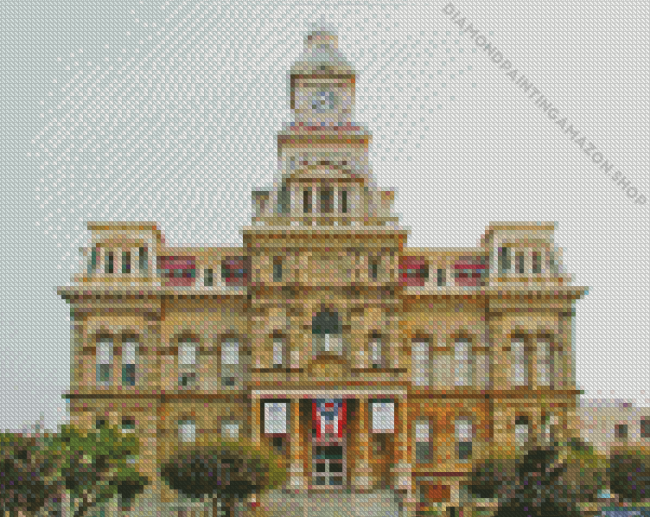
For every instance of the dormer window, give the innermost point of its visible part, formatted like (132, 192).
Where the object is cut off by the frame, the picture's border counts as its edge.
(322, 102)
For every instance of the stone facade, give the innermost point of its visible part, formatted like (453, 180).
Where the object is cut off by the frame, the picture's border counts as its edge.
(431, 358)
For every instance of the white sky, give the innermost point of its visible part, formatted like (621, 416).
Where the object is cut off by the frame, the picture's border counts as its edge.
(167, 111)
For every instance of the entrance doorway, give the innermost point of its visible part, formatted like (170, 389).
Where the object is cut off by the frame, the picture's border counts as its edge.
(328, 465)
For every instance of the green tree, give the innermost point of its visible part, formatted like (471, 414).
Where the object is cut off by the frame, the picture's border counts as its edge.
(94, 466)
(629, 473)
(223, 471)
(27, 474)
(545, 481)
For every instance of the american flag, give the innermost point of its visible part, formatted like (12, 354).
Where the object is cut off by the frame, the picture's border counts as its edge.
(329, 416)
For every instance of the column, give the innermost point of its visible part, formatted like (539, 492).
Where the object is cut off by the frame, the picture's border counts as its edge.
(296, 470)
(362, 471)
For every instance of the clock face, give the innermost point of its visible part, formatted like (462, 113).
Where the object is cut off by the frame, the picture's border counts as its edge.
(322, 102)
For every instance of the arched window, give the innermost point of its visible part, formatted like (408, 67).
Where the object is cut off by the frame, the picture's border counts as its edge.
(326, 334)
(376, 350)
(544, 362)
(279, 352)
(104, 359)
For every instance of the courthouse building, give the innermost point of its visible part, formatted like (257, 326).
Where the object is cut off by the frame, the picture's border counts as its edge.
(365, 363)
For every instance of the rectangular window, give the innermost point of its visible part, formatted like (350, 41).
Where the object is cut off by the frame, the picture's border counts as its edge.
(421, 363)
(522, 431)
(543, 362)
(645, 427)
(109, 262)
(230, 430)
(275, 418)
(519, 362)
(208, 279)
(306, 201)
(537, 262)
(504, 260)
(520, 262)
(128, 425)
(326, 200)
(441, 277)
(463, 359)
(104, 361)
(620, 431)
(143, 259)
(278, 352)
(277, 270)
(464, 438)
(187, 431)
(383, 417)
(187, 364)
(126, 262)
(129, 351)
(374, 270)
(100, 423)
(344, 201)
(229, 362)
(423, 445)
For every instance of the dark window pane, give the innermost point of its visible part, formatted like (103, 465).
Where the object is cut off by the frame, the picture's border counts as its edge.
(128, 374)
(645, 428)
(465, 450)
(423, 452)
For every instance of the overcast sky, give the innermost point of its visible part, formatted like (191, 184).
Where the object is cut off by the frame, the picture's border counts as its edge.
(167, 111)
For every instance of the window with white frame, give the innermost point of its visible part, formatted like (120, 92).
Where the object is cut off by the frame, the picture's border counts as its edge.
(423, 442)
(544, 362)
(104, 360)
(275, 418)
(230, 430)
(229, 361)
(463, 428)
(463, 360)
(421, 355)
(129, 356)
(519, 362)
(383, 417)
(187, 431)
(187, 352)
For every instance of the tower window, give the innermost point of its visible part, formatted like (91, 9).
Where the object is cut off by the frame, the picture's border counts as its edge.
(344, 201)
(208, 278)
(306, 201)
(520, 262)
(277, 270)
(109, 262)
(374, 269)
(537, 262)
(126, 262)
(441, 277)
(143, 259)
(504, 260)
(326, 198)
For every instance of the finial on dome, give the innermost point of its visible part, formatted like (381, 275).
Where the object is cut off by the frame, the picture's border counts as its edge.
(322, 37)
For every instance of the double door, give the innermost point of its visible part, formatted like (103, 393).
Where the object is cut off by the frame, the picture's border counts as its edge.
(328, 461)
